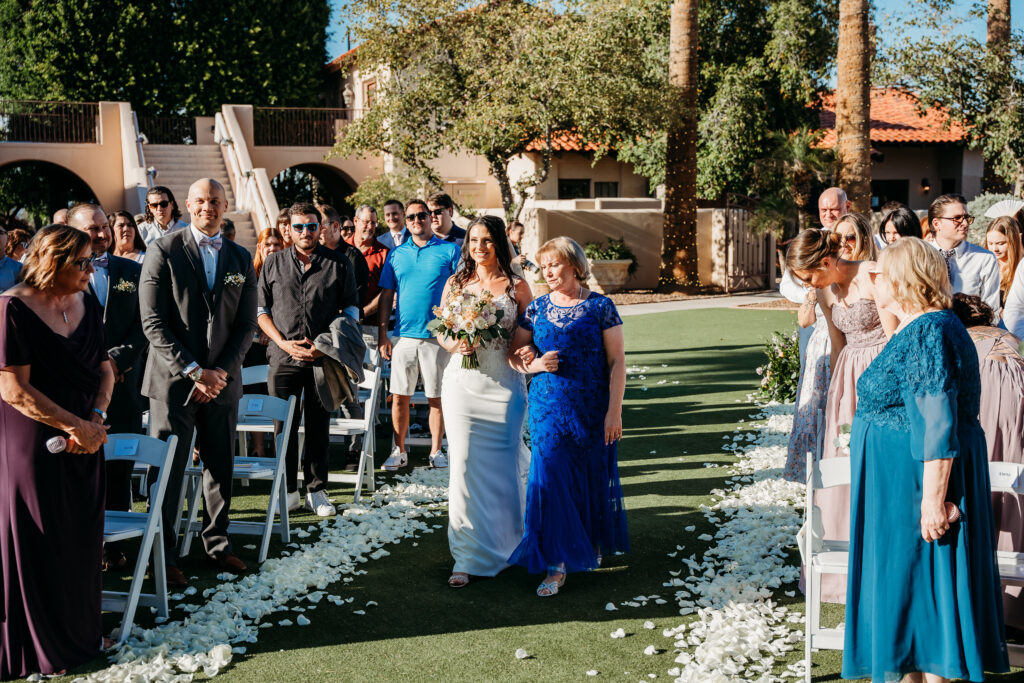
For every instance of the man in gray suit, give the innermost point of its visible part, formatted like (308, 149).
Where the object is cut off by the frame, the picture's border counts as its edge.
(198, 301)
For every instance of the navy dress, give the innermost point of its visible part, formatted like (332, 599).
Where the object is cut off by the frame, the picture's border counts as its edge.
(51, 504)
(574, 509)
(912, 605)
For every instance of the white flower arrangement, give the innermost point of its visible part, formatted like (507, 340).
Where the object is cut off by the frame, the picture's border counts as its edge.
(842, 440)
(234, 280)
(469, 317)
(125, 286)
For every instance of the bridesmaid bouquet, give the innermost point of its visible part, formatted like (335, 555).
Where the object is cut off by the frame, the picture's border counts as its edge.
(471, 317)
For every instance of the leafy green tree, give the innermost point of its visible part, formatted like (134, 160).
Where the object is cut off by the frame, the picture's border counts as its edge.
(980, 83)
(379, 189)
(488, 80)
(165, 58)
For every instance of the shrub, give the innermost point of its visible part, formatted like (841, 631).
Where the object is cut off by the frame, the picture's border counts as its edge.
(615, 250)
(781, 374)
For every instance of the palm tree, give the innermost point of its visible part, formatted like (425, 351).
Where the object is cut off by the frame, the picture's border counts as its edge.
(679, 237)
(998, 35)
(853, 103)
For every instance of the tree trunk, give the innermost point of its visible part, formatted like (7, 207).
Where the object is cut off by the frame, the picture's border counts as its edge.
(998, 34)
(679, 235)
(853, 103)
(508, 200)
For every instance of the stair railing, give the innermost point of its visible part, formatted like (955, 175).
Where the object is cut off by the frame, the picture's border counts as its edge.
(137, 180)
(253, 192)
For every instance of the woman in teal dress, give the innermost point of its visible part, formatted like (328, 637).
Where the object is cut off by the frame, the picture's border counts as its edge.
(923, 596)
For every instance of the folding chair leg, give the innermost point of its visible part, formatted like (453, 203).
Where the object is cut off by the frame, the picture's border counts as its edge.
(193, 515)
(160, 572)
(808, 637)
(279, 500)
(814, 592)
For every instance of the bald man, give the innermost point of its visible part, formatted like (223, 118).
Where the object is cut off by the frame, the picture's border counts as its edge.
(832, 204)
(198, 301)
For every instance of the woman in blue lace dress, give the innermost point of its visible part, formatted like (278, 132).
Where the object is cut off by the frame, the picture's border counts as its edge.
(923, 596)
(572, 339)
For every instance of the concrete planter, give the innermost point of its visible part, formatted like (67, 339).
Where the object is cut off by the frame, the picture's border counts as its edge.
(539, 289)
(607, 277)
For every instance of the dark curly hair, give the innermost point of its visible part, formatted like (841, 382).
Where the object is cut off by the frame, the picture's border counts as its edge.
(496, 229)
(971, 310)
(155, 190)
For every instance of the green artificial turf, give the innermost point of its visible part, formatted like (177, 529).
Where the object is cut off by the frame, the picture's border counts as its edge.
(422, 630)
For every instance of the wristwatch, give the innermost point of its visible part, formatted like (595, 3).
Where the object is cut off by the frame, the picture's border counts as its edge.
(100, 413)
(196, 375)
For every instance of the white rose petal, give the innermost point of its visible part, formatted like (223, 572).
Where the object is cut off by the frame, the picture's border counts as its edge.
(301, 620)
(650, 650)
(619, 633)
(521, 654)
(593, 672)
(649, 625)
(610, 607)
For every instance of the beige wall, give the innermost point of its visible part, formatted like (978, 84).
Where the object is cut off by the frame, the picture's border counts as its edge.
(98, 164)
(934, 162)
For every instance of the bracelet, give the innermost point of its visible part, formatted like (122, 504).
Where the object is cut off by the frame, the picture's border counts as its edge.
(101, 413)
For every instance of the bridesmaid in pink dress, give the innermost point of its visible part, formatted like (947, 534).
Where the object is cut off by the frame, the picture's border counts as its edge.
(1002, 417)
(858, 332)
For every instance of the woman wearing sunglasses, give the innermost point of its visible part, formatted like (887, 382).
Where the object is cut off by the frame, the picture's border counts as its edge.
(858, 332)
(855, 231)
(55, 386)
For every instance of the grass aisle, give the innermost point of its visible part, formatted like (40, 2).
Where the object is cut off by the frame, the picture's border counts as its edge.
(692, 373)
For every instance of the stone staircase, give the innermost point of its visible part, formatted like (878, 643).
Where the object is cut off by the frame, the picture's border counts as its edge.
(178, 166)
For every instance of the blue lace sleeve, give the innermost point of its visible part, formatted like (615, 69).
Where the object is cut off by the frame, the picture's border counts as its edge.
(929, 392)
(529, 315)
(608, 317)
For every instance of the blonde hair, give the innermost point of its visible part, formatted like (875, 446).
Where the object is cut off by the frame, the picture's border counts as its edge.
(865, 247)
(569, 250)
(1007, 225)
(917, 274)
(810, 248)
(52, 249)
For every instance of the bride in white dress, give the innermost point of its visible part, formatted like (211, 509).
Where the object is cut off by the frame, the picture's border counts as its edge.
(483, 412)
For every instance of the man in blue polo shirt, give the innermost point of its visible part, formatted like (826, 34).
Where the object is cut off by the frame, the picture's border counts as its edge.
(417, 270)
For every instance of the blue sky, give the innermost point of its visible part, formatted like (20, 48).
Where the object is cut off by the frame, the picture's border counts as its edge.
(893, 8)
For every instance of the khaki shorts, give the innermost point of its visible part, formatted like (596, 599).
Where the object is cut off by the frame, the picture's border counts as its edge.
(409, 358)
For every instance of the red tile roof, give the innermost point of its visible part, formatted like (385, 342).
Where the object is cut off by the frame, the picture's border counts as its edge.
(563, 142)
(895, 118)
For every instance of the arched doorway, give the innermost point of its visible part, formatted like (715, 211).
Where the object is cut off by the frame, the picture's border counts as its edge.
(34, 190)
(317, 183)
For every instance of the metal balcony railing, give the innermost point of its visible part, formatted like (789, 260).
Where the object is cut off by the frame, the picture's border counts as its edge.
(37, 121)
(299, 126)
(168, 130)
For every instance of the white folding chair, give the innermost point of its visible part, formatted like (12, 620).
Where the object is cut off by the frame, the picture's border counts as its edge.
(342, 427)
(259, 413)
(120, 526)
(255, 374)
(820, 555)
(1006, 477)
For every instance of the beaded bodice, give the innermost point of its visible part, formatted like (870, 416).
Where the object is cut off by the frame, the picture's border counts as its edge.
(859, 322)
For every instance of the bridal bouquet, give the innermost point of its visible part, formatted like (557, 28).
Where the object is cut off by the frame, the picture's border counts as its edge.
(471, 317)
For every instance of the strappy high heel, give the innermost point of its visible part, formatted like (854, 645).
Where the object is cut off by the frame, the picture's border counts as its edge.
(548, 588)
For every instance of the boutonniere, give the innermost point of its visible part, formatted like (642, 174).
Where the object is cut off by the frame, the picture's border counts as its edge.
(234, 280)
(125, 286)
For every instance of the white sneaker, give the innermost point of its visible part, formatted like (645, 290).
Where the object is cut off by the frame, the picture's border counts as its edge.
(294, 501)
(439, 460)
(396, 460)
(317, 502)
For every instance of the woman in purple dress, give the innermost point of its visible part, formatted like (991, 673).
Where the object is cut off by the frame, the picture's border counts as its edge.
(55, 381)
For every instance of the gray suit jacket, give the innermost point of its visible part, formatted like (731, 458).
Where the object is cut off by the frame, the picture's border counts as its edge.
(186, 322)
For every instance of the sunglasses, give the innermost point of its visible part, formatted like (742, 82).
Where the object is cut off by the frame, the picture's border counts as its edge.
(163, 205)
(421, 216)
(852, 237)
(82, 264)
(305, 227)
(437, 212)
(348, 227)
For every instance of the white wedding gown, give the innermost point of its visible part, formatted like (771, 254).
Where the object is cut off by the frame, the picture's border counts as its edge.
(483, 418)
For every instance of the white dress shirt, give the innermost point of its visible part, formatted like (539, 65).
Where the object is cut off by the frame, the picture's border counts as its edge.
(1013, 310)
(392, 240)
(98, 280)
(975, 271)
(208, 253)
(152, 231)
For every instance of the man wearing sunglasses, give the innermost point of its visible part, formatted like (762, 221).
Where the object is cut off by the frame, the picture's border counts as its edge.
(162, 216)
(416, 272)
(972, 270)
(9, 268)
(442, 208)
(301, 292)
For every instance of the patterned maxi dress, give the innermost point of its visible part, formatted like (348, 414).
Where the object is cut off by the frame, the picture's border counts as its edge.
(574, 511)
